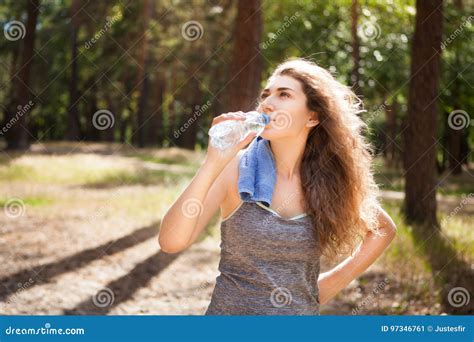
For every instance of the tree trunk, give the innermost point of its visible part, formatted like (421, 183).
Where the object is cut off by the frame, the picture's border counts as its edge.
(155, 134)
(142, 76)
(126, 113)
(454, 155)
(11, 105)
(142, 107)
(173, 82)
(391, 133)
(72, 130)
(93, 133)
(420, 186)
(246, 67)
(455, 137)
(154, 124)
(190, 121)
(221, 71)
(109, 133)
(17, 135)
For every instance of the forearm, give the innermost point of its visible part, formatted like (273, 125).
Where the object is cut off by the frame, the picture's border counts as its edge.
(181, 218)
(332, 282)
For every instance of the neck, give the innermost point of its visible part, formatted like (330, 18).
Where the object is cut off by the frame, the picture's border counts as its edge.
(288, 155)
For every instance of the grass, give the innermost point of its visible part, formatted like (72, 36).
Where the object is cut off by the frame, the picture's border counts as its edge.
(414, 258)
(115, 184)
(29, 201)
(171, 156)
(139, 177)
(405, 260)
(167, 160)
(86, 169)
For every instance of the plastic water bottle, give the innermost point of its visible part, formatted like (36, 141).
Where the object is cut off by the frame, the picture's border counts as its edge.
(230, 132)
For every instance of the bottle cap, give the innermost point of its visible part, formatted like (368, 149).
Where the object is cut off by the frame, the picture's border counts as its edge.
(266, 118)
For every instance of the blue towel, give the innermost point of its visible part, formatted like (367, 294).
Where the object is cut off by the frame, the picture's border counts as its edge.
(257, 173)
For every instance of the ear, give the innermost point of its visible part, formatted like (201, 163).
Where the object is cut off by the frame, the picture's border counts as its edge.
(313, 120)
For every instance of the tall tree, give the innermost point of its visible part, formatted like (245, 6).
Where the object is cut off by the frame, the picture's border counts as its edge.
(155, 134)
(154, 124)
(173, 85)
(390, 132)
(143, 80)
(420, 186)
(17, 135)
(193, 103)
(246, 66)
(456, 138)
(72, 130)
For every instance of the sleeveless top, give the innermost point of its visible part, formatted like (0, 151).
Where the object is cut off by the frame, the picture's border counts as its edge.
(269, 264)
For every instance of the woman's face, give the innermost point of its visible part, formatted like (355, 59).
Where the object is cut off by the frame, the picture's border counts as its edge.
(284, 101)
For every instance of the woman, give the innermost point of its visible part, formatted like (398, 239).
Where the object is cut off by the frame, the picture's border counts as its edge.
(324, 201)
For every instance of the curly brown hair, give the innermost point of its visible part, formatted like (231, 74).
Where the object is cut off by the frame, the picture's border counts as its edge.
(336, 171)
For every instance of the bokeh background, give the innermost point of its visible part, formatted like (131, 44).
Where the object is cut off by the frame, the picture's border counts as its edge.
(105, 108)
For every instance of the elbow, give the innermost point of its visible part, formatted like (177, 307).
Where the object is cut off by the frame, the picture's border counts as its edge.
(387, 227)
(168, 241)
(391, 231)
(392, 227)
(169, 246)
(171, 249)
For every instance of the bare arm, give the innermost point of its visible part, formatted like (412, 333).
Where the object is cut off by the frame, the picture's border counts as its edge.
(333, 281)
(194, 208)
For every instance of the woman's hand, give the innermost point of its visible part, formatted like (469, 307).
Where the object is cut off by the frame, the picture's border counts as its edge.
(220, 158)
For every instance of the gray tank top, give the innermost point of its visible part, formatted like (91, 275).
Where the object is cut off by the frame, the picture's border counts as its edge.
(269, 264)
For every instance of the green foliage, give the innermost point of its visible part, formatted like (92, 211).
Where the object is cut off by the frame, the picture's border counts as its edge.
(111, 33)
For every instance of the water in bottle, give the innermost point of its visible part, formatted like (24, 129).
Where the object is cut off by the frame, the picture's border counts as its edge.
(230, 132)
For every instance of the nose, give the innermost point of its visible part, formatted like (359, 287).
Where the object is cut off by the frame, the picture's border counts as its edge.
(266, 107)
